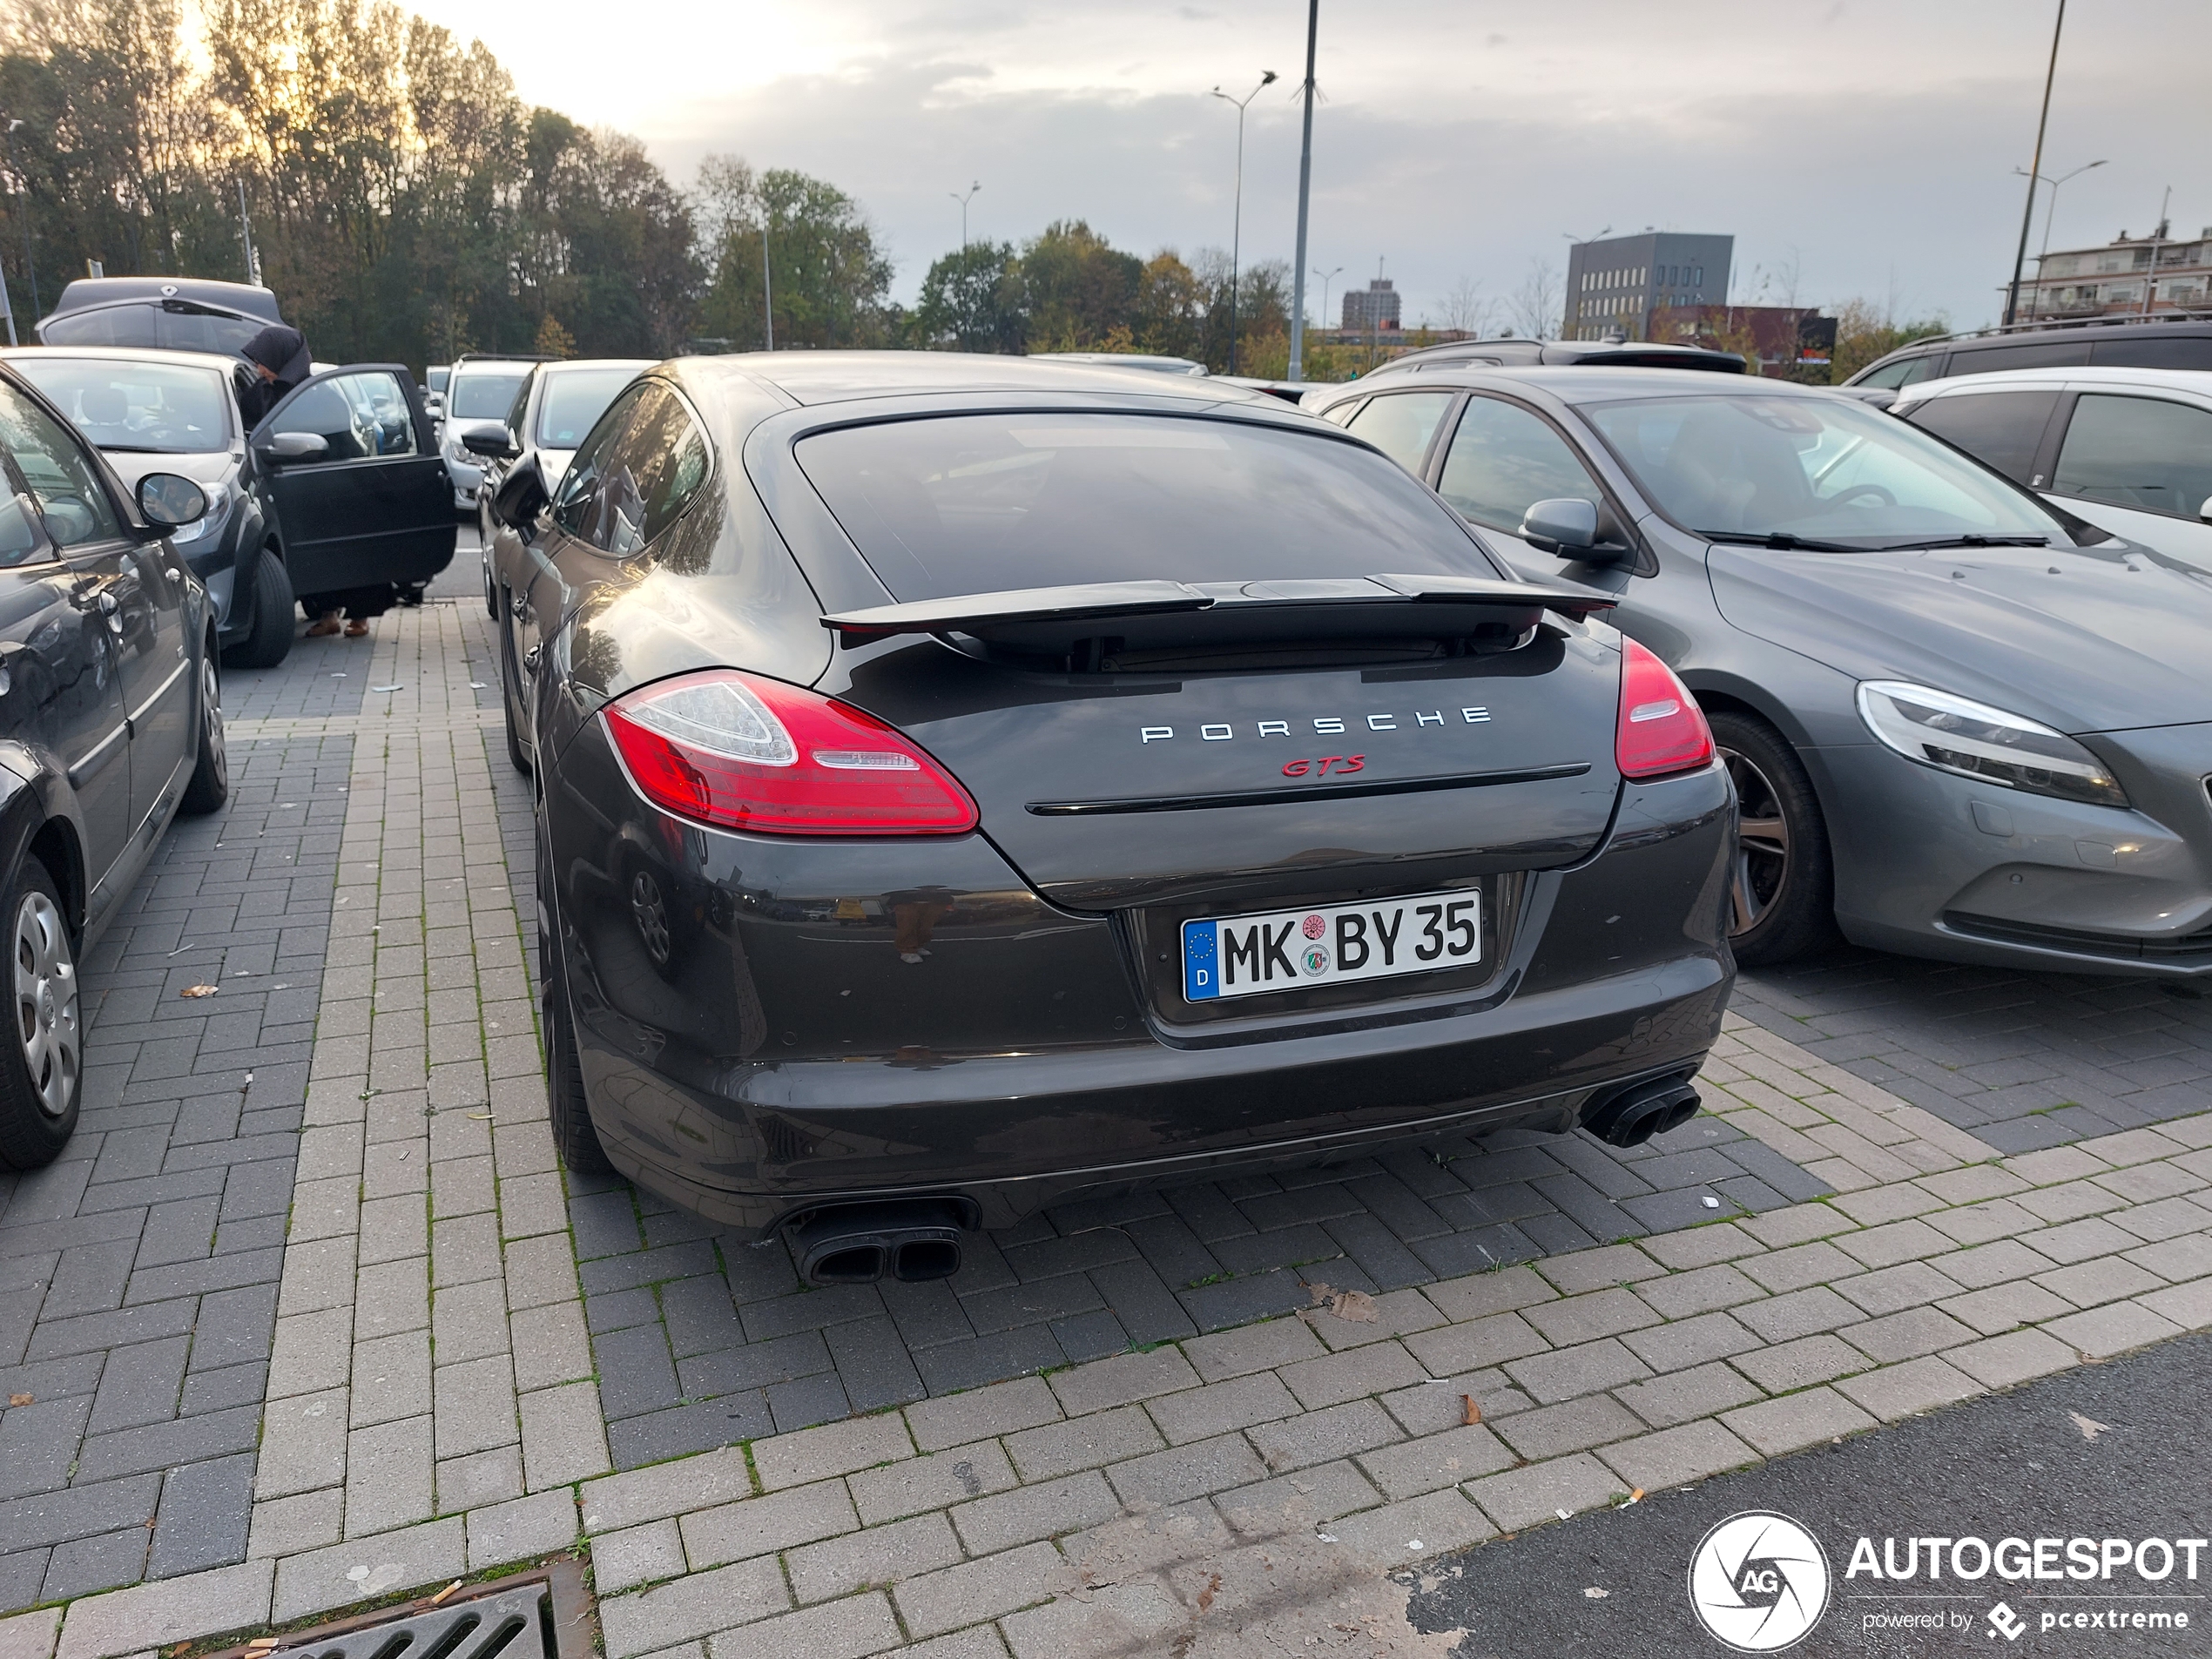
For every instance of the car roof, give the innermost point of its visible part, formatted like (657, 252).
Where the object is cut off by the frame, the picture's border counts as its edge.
(561, 366)
(86, 292)
(1584, 383)
(812, 377)
(214, 361)
(2198, 383)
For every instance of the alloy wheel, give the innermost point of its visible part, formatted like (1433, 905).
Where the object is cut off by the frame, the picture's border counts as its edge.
(649, 911)
(46, 1003)
(1761, 866)
(211, 704)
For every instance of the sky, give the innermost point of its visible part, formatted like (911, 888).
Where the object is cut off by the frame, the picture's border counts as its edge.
(1854, 148)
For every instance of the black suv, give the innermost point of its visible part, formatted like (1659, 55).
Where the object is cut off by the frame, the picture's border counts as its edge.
(2107, 343)
(174, 314)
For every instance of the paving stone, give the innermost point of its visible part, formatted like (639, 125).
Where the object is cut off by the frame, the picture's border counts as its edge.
(1566, 1372)
(1186, 1472)
(1322, 1436)
(847, 1629)
(1516, 1499)
(2104, 1331)
(621, 1502)
(936, 1602)
(649, 1621)
(320, 1580)
(1087, 1442)
(1898, 1392)
(881, 1555)
(764, 1525)
(521, 1530)
(1027, 1513)
(1123, 1380)
(833, 1449)
(623, 1561)
(933, 1480)
(1572, 1426)
(1704, 1391)
(1413, 1529)
(1795, 1420)
(2017, 1357)
(128, 1621)
(1258, 1347)
(1790, 1365)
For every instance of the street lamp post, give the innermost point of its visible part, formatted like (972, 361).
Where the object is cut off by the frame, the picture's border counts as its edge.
(2035, 300)
(767, 289)
(2034, 169)
(1327, 277)
(1296, 371)
(1236, 215)
(963, 201)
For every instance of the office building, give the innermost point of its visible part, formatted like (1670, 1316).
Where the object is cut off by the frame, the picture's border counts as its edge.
(1372, 307)
(1618, 283)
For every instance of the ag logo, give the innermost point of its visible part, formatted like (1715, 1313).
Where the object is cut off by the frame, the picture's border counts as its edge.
(1759, 1582)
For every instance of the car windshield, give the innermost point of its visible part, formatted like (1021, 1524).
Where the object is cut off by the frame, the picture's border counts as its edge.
(1810, 468)
(574, 399)
(156, 409)
(483, 396)
(979, 503)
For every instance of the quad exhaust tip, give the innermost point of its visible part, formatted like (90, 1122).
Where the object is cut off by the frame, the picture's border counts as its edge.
(1642, 1110)
(911, 1240)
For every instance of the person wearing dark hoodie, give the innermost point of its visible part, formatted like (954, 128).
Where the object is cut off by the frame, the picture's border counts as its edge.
(277, 361)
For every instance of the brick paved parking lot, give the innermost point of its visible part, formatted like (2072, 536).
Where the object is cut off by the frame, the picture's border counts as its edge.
(428, 1352)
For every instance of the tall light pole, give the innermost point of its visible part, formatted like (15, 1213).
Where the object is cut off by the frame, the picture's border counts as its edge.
(767, 290)
(2034, 168)
(2035, 300)
(1327, 277)
(1236, 215)
(963, 201)
(1297, 370)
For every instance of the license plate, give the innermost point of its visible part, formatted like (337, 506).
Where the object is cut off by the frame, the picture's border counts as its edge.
(1226, 956)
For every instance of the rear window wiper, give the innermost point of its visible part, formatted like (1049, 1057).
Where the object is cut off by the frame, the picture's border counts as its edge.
(1972, 541)
(1782, 540)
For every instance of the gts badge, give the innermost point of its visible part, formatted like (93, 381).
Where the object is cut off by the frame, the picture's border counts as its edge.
(1322, 767)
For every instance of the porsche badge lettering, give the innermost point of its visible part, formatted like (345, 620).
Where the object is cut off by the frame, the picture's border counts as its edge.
(1326, 725)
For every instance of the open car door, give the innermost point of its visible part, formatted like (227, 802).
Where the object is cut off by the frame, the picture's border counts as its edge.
(360, 494)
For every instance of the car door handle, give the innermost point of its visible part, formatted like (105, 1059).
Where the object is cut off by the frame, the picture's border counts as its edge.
(531, 660)
(172, 573)
(519, 606)
(110, 609)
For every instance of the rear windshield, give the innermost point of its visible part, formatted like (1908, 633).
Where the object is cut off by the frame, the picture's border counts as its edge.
(574, 401)
(480, 396)
(979, 503)
(148, 409)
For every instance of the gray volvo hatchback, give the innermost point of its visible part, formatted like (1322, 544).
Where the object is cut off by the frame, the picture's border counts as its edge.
(1963, 724)
(964, 783)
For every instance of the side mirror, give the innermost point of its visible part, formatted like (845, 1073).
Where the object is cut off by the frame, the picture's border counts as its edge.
(2205, 511)
(298, 445)
(168, 500)
(1566, 526)
(491, 441)
(521, 497)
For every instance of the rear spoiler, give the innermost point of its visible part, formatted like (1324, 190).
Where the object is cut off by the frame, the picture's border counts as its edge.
(1298, 605)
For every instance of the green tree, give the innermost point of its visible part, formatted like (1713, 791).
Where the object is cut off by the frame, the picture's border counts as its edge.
(1077, 288)
(1170, 312)
(972, 300)
(828, 280)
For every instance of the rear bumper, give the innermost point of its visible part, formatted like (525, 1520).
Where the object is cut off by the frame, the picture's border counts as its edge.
(958, 1036)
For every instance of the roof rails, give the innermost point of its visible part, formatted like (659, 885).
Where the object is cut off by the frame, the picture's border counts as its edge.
(2044, 325)
(500, 357)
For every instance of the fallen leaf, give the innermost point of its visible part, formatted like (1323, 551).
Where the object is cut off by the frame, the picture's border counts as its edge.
(1356, 1306)
(1470, 1413)
(197, 990)
(2089, 1426)
(482, 1117)
(19, 1400)
(1320, 1292)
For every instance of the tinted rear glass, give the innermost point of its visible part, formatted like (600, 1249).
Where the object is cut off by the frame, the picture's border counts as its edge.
(163, 409)
(2004, 429)
(102, 326)
(479, 396)
(979, 503)
(2037, 353)
(2188, 352)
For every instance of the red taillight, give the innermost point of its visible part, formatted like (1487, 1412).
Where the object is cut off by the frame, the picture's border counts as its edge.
(1660, 729)
(751, 754)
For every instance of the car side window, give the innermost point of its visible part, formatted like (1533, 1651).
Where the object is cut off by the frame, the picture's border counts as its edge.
(518, 411)
(1400, 424)
(2001, 429)
(359, 417)
(577, 508)
(1905, 374)
(650, 475)
(1503, 460)
(2146, 453)
(63, 480)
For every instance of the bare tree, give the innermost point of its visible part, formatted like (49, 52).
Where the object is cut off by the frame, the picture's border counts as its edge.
(1534, 308)
(1467, 308)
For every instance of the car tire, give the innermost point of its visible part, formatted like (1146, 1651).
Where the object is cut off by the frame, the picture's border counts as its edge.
(268, 641)
(515, 751)
(573, 1136)
(1782, 890)
(211, 774)
(41, 1075)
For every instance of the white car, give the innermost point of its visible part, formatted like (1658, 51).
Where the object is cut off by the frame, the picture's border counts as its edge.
(2129, 449)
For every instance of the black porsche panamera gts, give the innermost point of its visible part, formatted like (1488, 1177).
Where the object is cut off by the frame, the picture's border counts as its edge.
(968, 782)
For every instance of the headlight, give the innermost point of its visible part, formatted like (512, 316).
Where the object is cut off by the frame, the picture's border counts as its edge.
(209, 524)
(1954, 734)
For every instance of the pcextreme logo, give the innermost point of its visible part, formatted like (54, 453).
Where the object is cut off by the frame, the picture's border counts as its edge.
(1759, 1582)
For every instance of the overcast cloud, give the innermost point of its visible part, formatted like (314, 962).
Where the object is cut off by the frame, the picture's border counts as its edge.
(1869, 144)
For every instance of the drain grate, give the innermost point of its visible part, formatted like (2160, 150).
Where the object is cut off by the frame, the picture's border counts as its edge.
(510, 1624)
